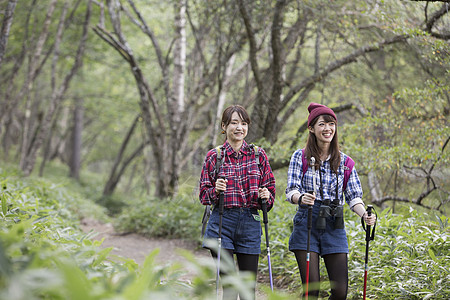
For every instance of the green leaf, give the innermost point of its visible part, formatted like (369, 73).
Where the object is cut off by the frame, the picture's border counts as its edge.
(4, 204)
(101, 256)
(431, 253)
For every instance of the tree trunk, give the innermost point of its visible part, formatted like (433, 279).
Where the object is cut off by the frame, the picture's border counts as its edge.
(114, 177)
(75, 161)
(33, 66)
(27, 164)
(177, 106)
(6, 26)
(221, 97)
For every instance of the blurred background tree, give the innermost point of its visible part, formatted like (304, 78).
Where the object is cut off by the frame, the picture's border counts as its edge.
(133, 90)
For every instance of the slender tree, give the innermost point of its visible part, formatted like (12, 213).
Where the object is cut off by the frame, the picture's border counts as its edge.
(169, 116)
(6, 26)
(29, 153)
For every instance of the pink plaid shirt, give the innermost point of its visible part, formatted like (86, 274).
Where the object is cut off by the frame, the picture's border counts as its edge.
(243, 175)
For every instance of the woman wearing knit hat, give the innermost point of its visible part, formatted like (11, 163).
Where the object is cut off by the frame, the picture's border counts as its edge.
(326, 170)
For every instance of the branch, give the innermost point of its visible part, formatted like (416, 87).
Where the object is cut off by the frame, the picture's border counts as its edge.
(352, 57)
(145, 29)
(417, 201)
(440, 155)
(434, 18)
(146, 94)
(252, 42)
(110, 40)
(445, 1)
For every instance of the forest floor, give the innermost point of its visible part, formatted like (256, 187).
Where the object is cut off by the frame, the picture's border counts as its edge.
(137, 247)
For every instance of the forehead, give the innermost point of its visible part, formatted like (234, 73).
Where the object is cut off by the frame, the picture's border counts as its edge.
(323, 120)
(236, 117)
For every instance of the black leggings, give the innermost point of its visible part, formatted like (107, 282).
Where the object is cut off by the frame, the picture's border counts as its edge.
(337, 268)
(246, 262)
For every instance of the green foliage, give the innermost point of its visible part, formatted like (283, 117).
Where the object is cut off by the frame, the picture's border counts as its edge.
(408, 259)
(171, 218)
(404, 140)
(44, 255)
(113, 203)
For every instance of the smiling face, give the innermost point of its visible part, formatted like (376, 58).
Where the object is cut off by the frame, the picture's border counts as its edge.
(236, 130)
(324, 130)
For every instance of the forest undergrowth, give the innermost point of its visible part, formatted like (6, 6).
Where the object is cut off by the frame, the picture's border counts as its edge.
(45, 254)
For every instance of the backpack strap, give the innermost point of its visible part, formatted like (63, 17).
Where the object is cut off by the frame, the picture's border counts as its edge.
(348, 167)
(304, 163)
(220, 159)
(256, 155)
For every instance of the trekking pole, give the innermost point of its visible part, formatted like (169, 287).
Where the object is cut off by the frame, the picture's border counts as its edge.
(221, 204)
(369, 237)
(265, 220)
(313, 161)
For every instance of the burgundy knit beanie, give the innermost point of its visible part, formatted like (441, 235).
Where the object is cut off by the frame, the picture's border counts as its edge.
(316, 109)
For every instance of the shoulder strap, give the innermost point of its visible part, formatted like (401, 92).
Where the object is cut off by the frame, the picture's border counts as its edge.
(256, 154)
(220, 159)
(304, 163)
(348, 167)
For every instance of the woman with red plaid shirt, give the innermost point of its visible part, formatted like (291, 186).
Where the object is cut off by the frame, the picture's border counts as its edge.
(243, 180)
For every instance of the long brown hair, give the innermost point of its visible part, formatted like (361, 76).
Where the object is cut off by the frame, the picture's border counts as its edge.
(228, 112)
(312, 148)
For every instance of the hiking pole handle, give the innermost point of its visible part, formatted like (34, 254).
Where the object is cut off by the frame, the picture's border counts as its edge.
(221, 199)
(264, 203)
(369, 213)
(264, 209)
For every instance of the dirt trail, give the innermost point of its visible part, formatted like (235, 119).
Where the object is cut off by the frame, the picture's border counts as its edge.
(138, 247)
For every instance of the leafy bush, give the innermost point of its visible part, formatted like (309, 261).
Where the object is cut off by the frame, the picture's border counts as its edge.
(44, 255)
(172, 218)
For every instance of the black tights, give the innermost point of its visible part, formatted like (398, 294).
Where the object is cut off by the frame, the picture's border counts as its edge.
(246, 262)
(337, 269)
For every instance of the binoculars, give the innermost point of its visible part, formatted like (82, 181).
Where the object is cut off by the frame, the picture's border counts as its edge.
(328, 209)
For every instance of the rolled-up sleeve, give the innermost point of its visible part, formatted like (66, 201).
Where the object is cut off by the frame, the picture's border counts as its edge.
(207, 183)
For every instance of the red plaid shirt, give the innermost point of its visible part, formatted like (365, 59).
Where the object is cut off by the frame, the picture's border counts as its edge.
(243, 175)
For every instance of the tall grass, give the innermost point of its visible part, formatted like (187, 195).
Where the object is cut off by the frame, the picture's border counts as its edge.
(408, 259)
(44, 254)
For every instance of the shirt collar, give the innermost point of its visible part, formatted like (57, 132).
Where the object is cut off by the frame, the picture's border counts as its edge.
(245, 149)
